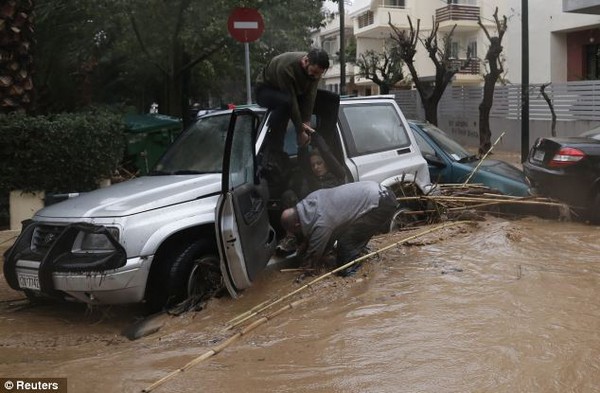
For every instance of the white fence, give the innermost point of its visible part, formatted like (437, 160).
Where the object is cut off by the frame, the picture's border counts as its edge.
(576, 104)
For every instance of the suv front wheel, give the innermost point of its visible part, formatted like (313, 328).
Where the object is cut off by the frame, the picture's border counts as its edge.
(185, 279)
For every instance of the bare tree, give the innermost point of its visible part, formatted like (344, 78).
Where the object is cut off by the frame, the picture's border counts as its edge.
(550, 105)
(384, 69)
(490, 79)
(439, 55)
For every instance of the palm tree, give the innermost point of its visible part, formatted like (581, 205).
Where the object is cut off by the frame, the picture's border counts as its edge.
(16, 60)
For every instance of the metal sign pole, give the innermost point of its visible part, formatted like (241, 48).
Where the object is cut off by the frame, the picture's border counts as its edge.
(248, 92)
(246, 25)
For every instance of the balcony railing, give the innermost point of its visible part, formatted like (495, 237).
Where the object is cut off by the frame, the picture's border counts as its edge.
(466, 66)
(457, 12)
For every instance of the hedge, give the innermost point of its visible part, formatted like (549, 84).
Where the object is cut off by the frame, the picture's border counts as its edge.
(67, 152)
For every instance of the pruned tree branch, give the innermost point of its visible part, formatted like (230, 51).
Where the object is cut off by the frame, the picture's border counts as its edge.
(217, 45)
(550, 105)
(407, 42)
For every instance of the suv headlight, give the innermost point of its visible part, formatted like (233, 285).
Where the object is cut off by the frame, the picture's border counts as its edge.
(87, 242)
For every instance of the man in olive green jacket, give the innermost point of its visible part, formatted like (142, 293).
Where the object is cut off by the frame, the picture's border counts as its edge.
(288, 86)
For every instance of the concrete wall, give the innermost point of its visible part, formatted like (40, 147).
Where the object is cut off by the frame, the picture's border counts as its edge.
(458, 113)
(466, 130)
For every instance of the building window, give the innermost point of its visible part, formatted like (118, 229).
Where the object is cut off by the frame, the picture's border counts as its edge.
(472, 50)
(454, 50)
(592, 61)
(330, 46)
(393, 3)
(365, 19)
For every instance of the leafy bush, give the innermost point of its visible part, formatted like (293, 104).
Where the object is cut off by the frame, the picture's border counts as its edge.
(59, 153)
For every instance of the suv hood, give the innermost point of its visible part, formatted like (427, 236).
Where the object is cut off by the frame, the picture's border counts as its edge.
(135, 196)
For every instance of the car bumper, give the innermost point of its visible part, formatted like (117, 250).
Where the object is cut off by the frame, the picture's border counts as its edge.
(124, 285)
(570, 188)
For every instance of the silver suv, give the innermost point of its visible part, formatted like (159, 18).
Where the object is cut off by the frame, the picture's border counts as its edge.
(207, 215)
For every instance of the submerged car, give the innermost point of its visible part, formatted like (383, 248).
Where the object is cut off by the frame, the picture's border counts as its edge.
(449, 162)
(568, 169)
(208, 214)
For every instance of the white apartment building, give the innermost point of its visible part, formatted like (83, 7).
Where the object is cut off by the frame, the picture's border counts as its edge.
(469, 43)
(564, 38)
(328, 38)
(564, 41)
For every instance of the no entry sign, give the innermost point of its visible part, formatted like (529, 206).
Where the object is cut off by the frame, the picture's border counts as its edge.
(245, 24)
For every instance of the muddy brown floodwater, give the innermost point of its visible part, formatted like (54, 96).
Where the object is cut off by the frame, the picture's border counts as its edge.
(496, 306)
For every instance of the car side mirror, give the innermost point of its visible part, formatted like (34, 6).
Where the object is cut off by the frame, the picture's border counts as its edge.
(434, 160)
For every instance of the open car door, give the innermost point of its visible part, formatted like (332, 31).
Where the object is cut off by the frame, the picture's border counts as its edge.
(245, 237)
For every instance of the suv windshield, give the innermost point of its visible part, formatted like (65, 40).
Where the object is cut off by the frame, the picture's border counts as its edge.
(198, 150)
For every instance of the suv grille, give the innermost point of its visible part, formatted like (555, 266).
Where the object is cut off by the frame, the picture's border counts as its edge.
(44, 236)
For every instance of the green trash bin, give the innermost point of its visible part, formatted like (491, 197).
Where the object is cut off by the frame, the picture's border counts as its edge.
(148, 136)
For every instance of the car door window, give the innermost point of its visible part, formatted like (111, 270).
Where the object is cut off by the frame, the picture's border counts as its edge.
(374, 128)
(242, 169)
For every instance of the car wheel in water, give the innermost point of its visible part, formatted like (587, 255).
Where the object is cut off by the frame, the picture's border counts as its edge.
(188, 278)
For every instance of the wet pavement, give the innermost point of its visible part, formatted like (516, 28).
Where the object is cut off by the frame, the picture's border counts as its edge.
(499, 305)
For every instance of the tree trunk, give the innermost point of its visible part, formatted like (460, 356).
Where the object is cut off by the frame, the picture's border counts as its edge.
(430, 111)
(16, 60)
(496, 69)
(485, 133)
(175, 84)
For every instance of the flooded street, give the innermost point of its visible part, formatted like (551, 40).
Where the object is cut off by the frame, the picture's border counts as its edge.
(498, 305)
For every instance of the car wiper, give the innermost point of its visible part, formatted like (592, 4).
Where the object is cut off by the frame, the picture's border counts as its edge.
(470, 158)
(177, 172)
(188, 172)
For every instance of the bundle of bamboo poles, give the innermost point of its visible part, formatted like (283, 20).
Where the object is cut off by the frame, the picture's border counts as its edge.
(454, 200)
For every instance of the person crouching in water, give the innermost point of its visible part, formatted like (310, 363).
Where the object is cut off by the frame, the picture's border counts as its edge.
(350, 214)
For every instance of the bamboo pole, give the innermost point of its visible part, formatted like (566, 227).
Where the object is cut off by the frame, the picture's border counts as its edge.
(248, 312)
(497, 199)
(483, 158)
(260, 308)
(240, 320)
(219, 348)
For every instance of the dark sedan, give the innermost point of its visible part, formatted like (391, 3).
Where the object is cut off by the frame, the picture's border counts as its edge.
(449, 162)
(568, 169)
